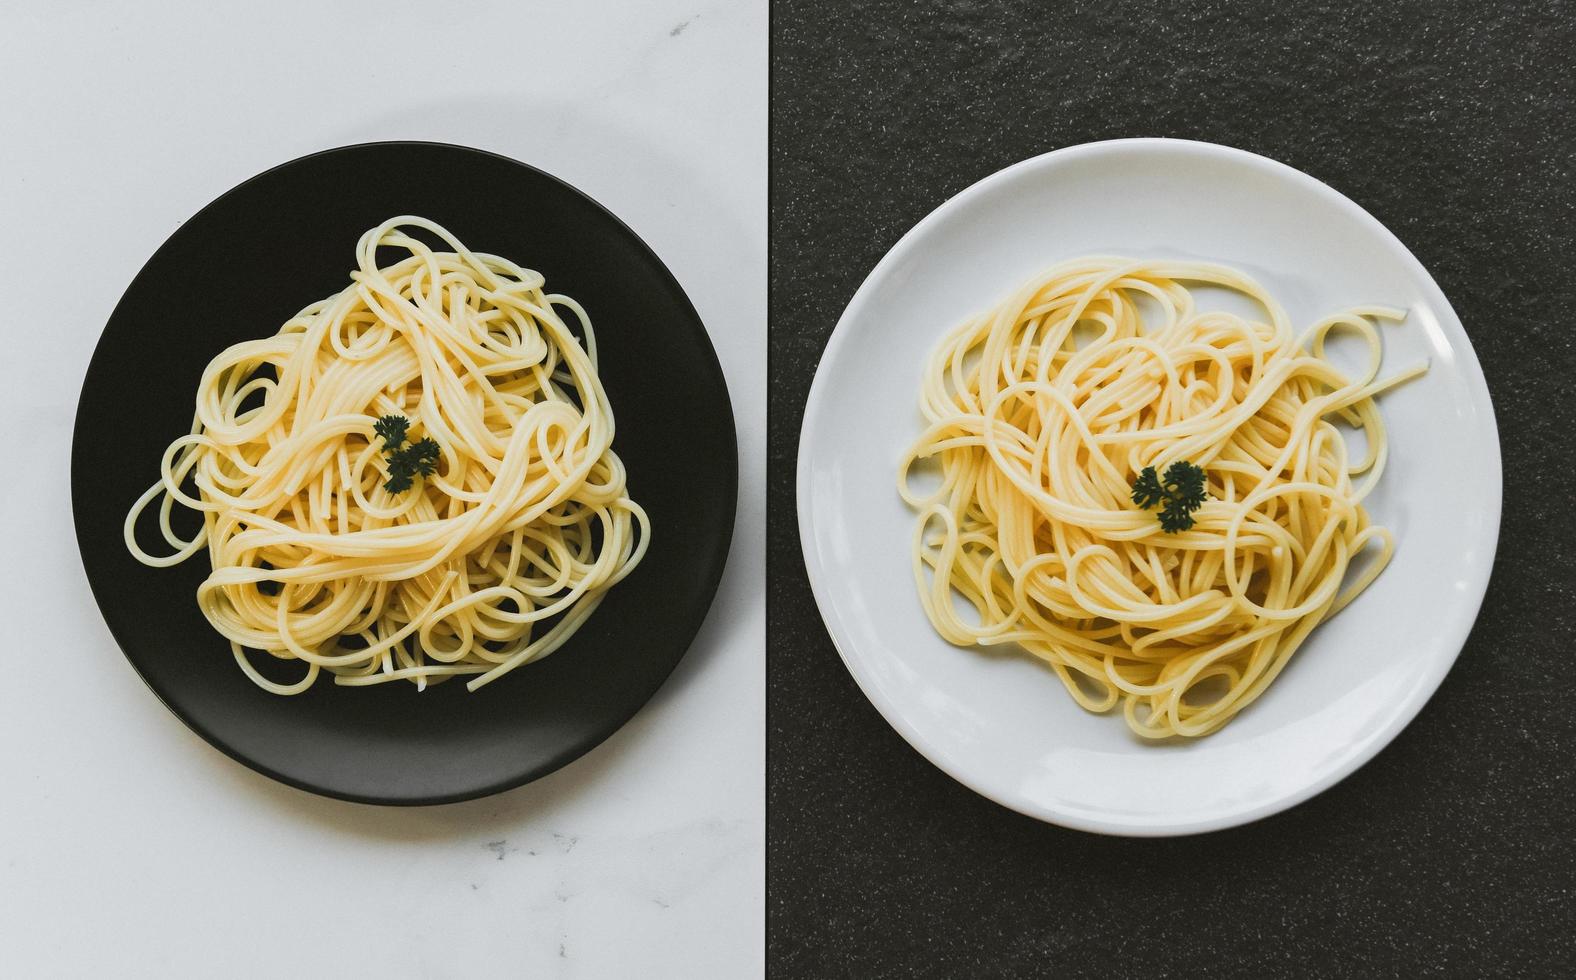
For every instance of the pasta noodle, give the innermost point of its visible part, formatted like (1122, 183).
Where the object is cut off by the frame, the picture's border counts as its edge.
(1044, 411)
(491, 560)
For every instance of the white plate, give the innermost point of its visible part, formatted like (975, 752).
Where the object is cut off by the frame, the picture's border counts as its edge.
(1003, 725)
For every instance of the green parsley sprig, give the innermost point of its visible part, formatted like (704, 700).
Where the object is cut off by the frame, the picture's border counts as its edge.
(1180, 493)
(406, 462)
(392, 428)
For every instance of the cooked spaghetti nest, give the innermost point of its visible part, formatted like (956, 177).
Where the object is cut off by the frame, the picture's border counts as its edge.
(492, 560)
(1043, 411)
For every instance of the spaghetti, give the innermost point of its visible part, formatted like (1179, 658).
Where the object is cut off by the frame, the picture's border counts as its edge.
(1043, 413)
(487, 558)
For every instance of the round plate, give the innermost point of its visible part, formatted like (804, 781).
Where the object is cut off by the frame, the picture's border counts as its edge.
(1003, 725)
(238, 270)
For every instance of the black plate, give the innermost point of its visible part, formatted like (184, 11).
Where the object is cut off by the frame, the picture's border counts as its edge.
(238, 270)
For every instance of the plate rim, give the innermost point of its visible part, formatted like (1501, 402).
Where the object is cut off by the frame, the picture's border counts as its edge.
(1421, 692)
(714, 567)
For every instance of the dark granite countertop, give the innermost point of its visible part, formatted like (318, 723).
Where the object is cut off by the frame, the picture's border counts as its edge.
(1451, 854)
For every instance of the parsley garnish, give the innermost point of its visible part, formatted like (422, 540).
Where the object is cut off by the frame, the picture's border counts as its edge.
(392, 429)
(420, 458)
(1182, 492)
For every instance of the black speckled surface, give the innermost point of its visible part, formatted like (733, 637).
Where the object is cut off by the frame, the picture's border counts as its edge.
(1451, 854)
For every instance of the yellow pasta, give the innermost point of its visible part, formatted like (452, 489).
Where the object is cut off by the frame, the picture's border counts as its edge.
(492, 560)
(1043, 412)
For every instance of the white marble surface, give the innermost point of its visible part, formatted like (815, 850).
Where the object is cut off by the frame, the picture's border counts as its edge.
(130, 848)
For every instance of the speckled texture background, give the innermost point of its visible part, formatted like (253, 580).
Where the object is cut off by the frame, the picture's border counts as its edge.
(1451, 854)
